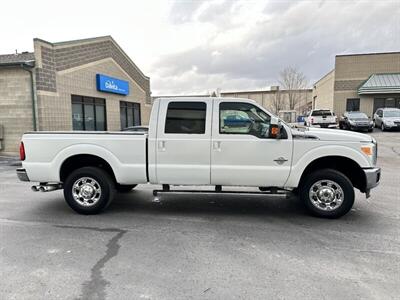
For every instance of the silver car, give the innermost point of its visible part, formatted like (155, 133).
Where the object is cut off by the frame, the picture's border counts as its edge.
(387, 118)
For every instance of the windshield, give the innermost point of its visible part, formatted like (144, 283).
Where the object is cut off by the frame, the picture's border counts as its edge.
(324, 113)
(391, 113)
(358, 116)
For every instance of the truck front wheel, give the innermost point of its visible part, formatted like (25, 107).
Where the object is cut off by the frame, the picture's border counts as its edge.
(89, 190)
(327, 193)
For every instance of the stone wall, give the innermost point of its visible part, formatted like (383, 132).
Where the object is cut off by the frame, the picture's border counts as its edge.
(15, 107)
(323, 91)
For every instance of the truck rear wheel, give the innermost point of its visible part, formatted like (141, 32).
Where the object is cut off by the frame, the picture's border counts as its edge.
(327, 193)
(89, 190)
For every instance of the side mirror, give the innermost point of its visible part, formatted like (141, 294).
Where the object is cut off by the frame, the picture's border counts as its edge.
(275, 128)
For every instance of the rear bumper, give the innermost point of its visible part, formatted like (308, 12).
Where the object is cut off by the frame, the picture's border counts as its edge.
(325, 125)
(21, 173)
(372, 178)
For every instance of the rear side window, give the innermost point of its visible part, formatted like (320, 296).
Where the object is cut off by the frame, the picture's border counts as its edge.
(323, 113)
(186, 118)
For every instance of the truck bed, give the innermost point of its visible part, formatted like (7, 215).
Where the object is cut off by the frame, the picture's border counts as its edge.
(124, 151)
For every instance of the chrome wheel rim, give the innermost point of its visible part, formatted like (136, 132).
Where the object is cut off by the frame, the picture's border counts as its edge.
(326, 195)
(86, 191)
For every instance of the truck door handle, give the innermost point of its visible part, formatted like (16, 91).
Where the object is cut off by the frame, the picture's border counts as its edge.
(161, 145)
(280, 160)
(217, 146)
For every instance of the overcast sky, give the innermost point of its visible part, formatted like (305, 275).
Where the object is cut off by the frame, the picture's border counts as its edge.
(197, 46)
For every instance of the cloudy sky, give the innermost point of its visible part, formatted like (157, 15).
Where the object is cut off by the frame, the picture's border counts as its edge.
(197, 46)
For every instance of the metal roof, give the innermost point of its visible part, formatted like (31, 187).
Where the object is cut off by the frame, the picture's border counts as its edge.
(381, 84)
(8, 59)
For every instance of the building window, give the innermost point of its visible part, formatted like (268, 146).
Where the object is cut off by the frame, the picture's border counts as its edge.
(186, 118)
(130, 114)
(353, 104)
(88, 113)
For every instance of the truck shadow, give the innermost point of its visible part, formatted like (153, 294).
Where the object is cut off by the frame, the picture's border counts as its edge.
(199, 204)
(140, 205)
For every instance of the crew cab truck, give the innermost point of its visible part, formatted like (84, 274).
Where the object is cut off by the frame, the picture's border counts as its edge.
(220, 142)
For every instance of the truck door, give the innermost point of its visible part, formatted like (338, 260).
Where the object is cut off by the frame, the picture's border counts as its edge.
(242, 154)
(184, 141)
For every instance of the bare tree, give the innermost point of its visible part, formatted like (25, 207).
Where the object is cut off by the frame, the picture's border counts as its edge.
(277, 102)
(294, 81)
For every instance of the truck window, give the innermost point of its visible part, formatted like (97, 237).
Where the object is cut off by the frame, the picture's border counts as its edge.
(186, 118)
(243, 118)
(321, 113)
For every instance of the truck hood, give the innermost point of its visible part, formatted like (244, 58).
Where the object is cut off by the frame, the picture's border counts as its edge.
(326, 134)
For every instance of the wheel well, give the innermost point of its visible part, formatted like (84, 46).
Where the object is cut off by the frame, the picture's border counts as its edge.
(84, 160)
(345, 165)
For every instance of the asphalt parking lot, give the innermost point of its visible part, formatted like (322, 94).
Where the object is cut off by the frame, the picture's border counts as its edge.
(201, 246)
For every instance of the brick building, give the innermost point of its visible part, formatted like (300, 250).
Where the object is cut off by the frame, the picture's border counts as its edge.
(360, 82)
(88, 84)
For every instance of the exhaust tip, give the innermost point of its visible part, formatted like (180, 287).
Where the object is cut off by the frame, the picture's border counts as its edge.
(34, 188)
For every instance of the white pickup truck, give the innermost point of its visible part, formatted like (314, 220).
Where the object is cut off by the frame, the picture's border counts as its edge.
(220, 142)
(323, 118)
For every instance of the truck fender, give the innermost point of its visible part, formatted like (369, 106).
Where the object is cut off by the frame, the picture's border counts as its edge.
(319, 152)
(88, 149)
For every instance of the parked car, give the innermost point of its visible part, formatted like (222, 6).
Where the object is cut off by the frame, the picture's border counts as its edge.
(387, 118)
(323, 118)
(355, 120)
(137, 129)
(189, 143)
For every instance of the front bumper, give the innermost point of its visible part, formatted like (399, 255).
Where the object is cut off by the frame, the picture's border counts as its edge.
(21, 173)
(372, 178)
(394, 126)
(361, 127)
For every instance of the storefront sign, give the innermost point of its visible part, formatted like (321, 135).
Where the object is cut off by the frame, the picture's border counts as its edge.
(112, 85)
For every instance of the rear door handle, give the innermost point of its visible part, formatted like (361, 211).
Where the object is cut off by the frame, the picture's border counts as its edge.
(161, 145)
(280, 160)
(217, 146)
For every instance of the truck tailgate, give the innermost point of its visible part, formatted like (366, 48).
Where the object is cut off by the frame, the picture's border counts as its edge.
(324, 119)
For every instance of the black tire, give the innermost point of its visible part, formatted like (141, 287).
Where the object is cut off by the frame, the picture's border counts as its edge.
(124, 188)
(370, 130)
(382, 127)
(339, 179)
(101, 179)
(295, 191)
(263, 188)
